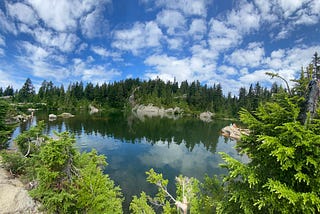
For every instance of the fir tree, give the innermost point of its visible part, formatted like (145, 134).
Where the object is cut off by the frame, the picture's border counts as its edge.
(283, 175)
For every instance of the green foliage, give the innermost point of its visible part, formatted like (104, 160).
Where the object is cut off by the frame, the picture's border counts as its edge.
(14, 162)
(283, 175)
(94, 191)
(27, 92)
(187, 195)
(70, 182)
(5, 130)
(192, 97)
(211, 193)
(29, 141)
(140, 205)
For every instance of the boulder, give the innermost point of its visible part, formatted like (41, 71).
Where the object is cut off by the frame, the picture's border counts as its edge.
(93, 109)
(234, 132)
(150, 110)
(66, 115)
(206, 116)
(52, 117)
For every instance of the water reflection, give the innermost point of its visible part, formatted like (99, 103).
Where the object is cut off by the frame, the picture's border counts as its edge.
(185, 146)
(188, 131)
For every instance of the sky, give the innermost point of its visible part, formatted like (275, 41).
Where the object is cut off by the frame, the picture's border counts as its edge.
(231, 42)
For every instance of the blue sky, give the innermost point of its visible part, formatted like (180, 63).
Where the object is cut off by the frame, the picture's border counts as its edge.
(214, 41)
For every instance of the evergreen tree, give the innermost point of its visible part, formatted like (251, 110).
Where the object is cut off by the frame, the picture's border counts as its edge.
(283, 175)
(70, 182)
(27, 92)
(8, 91)
(4, 129)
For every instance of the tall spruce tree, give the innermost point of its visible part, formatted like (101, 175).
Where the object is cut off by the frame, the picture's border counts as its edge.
(27, 92)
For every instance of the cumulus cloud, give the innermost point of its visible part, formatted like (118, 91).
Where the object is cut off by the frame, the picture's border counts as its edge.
(288, 14)
(245, 18)
(65, 42)
(252, 56)
(23, 13)
(222, 37)
(168, 68)
(140, 36)
(39, 60)
(69, 12)
(173, 20)
(198, 28)
(93, 73)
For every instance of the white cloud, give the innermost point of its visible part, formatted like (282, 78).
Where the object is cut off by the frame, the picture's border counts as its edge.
(105, 53)
(173, 20)
(290, 6)
(23, 13)
(41, 62)
(288, 14)
(93, 24)
(7, 80)
(198, 28)
(175, 43)
(37, 53)
(168, 68)
(265, 8)
(252, 56)
(188, 7)
(222, 37)
(245, 19)
(63, 15)
(227, 70)
(100, 51)
(140, 36)
(83, 46)
(93, 73)
(65, 42)
(6, 25)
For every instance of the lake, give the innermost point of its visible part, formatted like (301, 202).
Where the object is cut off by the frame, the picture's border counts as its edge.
(132, 146)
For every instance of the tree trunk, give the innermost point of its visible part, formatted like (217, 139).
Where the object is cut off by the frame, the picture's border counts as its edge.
(312, 99)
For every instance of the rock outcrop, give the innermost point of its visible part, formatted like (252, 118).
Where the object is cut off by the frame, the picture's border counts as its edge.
(206, 116)
(66, 115)
(14, 198)
(234, 132)
(52, 117)
(93, 109)
(19, 118)
(150, 110)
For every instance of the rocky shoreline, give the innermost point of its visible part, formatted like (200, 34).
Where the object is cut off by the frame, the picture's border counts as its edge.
(14, 197)
(234, 132)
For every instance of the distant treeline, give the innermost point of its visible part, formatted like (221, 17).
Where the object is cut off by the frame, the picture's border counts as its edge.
(192, 97)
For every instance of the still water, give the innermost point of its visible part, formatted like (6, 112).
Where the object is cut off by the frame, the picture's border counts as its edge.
(132, 146)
